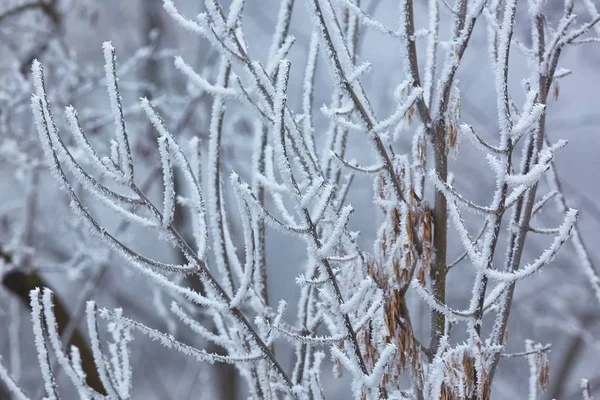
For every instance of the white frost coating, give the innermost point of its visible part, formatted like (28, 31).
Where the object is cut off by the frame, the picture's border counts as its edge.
(336, 51)
(514, 196)
(194, 155)
(38, 77)
(279, 101)
(11, 385)
(40, 344)
(475, 139)
(236, 265)
(453, 196)
(53, 145)
(117, 111)
(308, 89)
(235, 13)
(533, 370)
(56, 344)
(323, 201)
(119, 349)
(168, 182)
(539, 205)
(198, 328)
(281, 307)
(366, 19)
(99, 359)
(281, 27)
(501, 68)
(247, 223)
(191, 26)
(202, 83)
(347, 363)
(435, 374)
(376, 302)
(310, 179)
(114, 159)
(450, 314)
(127, 383)
(137, 260)
(191, 173)
(170, 342)
(464, 236)
(536, 171)
(528, 121)
(214, 11)
(311, 192)
(431, 51)
(77, 131)
(353, 303)
(359, 71)
(585, 389)
(545, 258)
(336, 233)
(293, 337)
(48, 134)
(376, 376)
(76, 361)
(261, 212)
(400, 112)
(530, 115)
(216, 221)
(276, 188)
(497, 165)
(280, 54)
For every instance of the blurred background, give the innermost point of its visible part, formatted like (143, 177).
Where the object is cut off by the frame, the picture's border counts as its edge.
(39, 234)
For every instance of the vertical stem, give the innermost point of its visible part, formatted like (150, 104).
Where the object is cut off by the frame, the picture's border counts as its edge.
(440, 217)
(281, 31)
(523, 209)
(215, 201)
(261, 234)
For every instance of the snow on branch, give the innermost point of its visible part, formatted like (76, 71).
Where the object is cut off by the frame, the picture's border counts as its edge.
(355, 303)
(201, 82)
(10, 383)
(545, 258)
(125, 156)
(170, 342)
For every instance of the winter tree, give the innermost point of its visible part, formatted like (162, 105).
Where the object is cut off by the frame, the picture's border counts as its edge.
(296, 211)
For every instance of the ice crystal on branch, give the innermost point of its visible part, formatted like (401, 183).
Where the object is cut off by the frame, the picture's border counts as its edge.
(361, 303)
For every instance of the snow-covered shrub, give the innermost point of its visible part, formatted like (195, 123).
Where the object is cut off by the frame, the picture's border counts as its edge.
(357, 303)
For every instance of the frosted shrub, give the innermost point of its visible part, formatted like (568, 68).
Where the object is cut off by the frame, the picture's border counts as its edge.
(357, 305)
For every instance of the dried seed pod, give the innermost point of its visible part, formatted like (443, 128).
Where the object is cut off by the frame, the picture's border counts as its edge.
(422, 149)
(484, 386)
(452, 136)
(337, 365)
(506, 337)
(396, 223)
(543, 368)
(469, 372)
(409, 228)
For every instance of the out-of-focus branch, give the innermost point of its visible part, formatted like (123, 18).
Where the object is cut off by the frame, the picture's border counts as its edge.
(49, 9)
(20, 284)
(21, 8)
(569, 360)
(581, 250)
